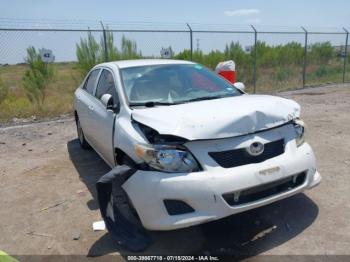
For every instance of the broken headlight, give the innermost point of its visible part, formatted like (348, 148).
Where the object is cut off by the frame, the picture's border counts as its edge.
(167, 158)
(299, 128)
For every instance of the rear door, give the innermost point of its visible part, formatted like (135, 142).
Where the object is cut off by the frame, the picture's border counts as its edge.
(84, 103)
(103, 119)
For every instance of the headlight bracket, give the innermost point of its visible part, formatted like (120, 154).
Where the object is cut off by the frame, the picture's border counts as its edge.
(299, 128)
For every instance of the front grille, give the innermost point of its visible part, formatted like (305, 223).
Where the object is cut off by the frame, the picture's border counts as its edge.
(264, 191)
(239, 157)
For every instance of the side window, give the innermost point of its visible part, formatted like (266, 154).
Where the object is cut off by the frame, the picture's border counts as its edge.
(106, 85)
(90, 82)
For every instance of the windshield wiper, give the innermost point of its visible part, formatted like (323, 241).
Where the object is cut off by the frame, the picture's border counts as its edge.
(152, 104)
(203, 98)
(156, 103)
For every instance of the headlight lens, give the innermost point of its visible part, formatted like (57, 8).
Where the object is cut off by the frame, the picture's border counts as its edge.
(167, 158)
(299, 127)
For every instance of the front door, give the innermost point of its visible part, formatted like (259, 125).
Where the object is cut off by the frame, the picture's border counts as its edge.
(103, 119)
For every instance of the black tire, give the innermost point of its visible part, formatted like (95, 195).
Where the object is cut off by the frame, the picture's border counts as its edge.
(83, 143)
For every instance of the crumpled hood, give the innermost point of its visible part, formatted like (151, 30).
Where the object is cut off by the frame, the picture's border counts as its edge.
(219, 118)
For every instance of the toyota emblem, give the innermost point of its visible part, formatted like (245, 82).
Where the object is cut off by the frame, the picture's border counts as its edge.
(255, 149)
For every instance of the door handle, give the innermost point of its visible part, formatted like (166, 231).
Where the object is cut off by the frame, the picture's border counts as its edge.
(91, 108)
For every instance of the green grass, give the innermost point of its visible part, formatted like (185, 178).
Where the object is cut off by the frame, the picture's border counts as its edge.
(59, 94)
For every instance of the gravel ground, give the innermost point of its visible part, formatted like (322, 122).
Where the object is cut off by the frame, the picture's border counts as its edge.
(48, 197)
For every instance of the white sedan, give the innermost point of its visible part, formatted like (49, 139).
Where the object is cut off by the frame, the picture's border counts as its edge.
(201, 147)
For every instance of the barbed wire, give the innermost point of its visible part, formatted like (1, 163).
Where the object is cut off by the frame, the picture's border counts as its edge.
(26, 23)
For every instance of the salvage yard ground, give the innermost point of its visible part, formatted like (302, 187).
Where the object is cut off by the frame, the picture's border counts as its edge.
(48, 196)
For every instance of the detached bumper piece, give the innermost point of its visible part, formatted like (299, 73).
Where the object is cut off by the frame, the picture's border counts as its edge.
(260, 192)
(125, 232)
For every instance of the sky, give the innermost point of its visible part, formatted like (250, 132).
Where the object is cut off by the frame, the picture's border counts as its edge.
(265, 15)
(312, 13)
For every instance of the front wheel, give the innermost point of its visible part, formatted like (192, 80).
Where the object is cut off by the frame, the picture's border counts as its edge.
(83, 143)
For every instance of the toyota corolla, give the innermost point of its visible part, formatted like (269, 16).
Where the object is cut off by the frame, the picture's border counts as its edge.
(200, 147)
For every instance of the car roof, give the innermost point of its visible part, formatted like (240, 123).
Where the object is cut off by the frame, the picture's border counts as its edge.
(145, 62)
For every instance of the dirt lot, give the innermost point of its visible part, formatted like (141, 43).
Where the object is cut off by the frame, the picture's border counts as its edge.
(47, 195)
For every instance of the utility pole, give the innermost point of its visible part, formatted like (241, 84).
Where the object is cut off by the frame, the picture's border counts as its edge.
(197, 44)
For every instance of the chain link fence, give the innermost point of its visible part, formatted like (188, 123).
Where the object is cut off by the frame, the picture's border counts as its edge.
(310, 69)
(268, 59)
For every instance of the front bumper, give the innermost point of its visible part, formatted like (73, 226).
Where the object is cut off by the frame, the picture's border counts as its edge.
(203, 190)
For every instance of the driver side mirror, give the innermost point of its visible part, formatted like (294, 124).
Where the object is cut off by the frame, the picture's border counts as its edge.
(107, 100)
(240, 86)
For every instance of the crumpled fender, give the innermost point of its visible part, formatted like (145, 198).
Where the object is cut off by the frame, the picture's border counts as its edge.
(126, 233)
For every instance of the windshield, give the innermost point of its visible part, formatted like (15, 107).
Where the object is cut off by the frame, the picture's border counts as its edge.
(173, 84)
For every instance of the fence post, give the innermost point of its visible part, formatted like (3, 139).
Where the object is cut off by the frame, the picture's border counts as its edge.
(104, 41)
(255, 57)
(346, 53)
(191, 41)
(305, 57)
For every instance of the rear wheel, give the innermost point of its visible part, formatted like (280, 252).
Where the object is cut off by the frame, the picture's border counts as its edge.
(83, 143)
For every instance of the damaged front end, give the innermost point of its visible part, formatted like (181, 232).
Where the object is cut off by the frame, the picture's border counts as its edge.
(165, 153)
(219, 118)
(179, 144)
